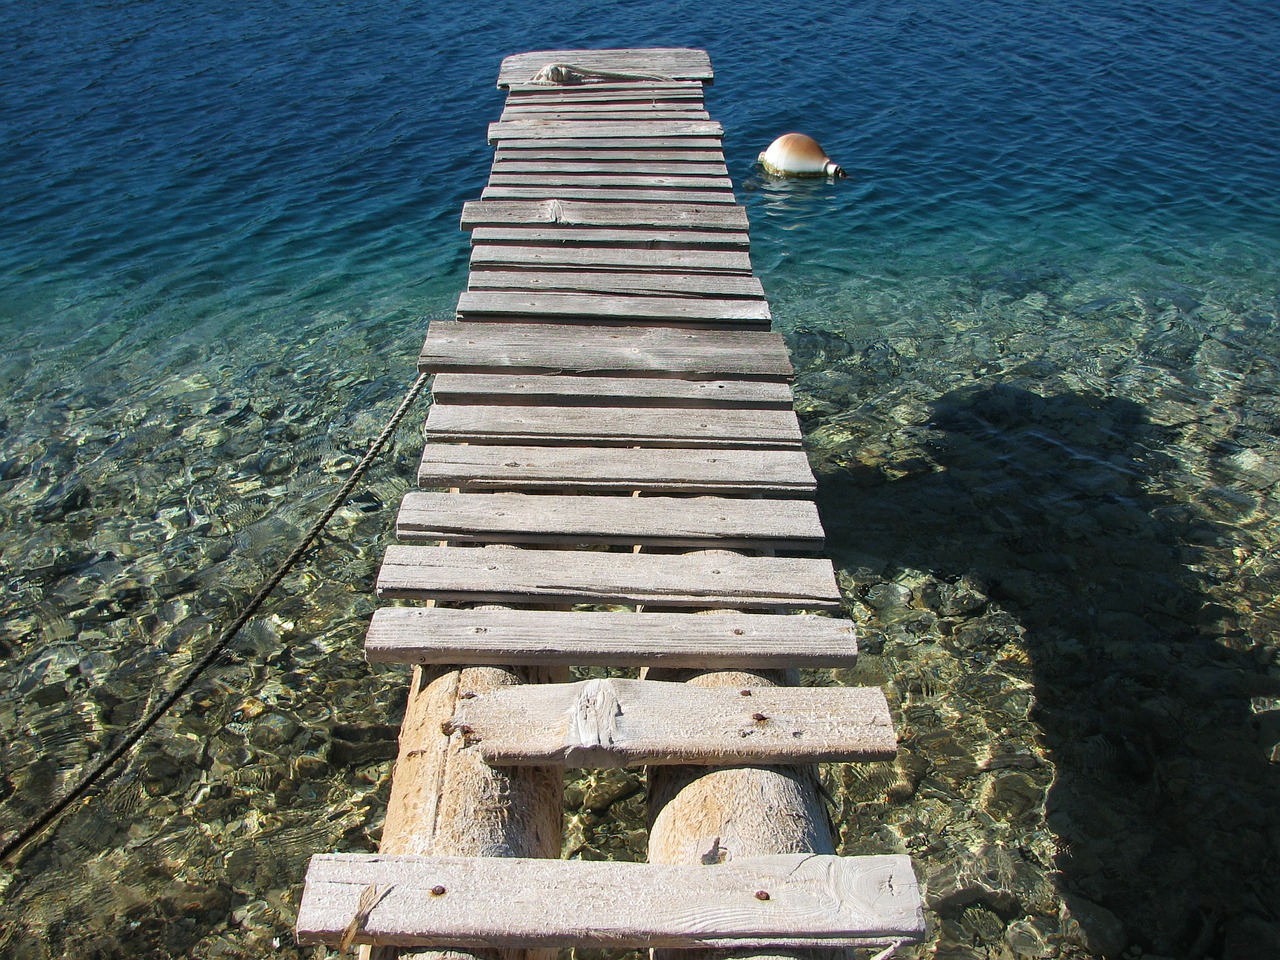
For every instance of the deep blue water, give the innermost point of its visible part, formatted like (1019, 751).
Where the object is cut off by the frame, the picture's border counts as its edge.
(224, 226)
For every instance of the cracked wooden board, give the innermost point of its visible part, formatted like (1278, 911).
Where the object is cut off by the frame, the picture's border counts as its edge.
(633, 65)
(613, 426)
(700, 579)
(733, 523)
(586, 213)
(686, 354)
(687, 262)
(589, 468)
(630, 238)
(470, 902)
(619, 723)
(533, 305)
(549, 637)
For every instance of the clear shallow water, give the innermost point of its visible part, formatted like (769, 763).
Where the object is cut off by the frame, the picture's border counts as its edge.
(1036, 338)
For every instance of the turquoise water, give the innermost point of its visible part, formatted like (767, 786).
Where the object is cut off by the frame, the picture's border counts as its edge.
(1036, 335)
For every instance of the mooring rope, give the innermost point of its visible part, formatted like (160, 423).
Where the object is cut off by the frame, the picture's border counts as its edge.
(36, 826)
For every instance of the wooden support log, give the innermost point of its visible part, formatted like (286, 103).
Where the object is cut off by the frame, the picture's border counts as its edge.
(446, 801)
(708, 815)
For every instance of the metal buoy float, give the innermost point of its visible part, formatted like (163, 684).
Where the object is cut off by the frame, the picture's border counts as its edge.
(799, 155)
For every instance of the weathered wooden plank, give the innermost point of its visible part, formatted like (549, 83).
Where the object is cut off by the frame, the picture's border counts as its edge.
(634, 145)
(652, 93)
(602, 130)
(519, 903)
(656, 470)
(636, 237)
(602, 113)
(613, 426)
(648, 181)
(554, 103)
(603, 308)
(554, 638)
(603, 351)
(658, 63)
(631, 168)
(621, 723)
(608, 88)
(600, 151)
(704, 217)
(661, 260)
(589, 576)
(630, 284)
(745, 524)
(609, 391)
(630, 195)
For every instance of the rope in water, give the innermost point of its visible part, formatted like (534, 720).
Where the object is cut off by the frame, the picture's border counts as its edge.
(37, 826)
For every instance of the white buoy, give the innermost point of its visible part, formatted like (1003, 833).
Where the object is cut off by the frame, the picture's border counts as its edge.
(798, 155)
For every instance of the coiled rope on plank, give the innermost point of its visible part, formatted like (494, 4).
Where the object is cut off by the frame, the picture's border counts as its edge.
(117, 753)
(568, 75)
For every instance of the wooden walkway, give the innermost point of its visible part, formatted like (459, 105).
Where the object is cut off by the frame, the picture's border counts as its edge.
(612, 423)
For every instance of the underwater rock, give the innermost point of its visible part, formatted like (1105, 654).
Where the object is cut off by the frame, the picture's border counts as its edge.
(985, 876)
(273, 730)
(609, 786)
(359, 745)
(1012, 796)
(1249, 937)
(1095, 928)
(1031, 938)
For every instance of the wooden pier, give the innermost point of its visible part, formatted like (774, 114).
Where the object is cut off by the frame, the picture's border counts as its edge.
(612, 421)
